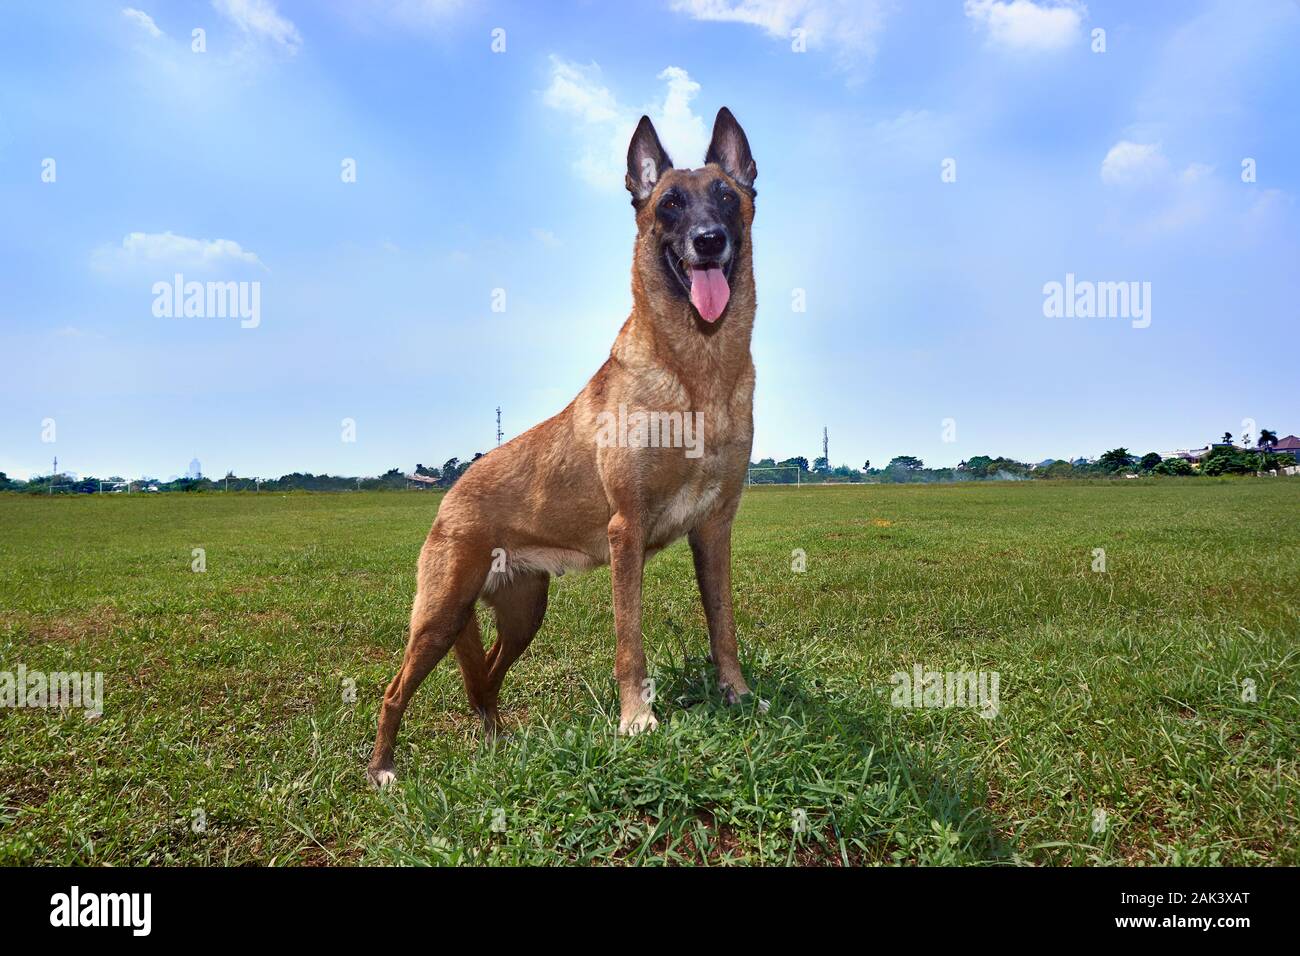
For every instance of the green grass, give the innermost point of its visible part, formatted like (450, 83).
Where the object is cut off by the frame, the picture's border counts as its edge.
(1121, 692)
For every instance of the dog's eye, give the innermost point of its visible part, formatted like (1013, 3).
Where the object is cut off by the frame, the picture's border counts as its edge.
(671, 203)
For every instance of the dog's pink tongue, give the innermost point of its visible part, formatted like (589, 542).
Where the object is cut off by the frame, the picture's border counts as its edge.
(709, 292)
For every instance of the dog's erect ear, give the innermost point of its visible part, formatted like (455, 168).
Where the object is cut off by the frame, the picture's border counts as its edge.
(730, 150)
(646, 161)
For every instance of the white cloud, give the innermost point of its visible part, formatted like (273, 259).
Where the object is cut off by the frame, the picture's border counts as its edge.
(777, 17)
(260, 19)
(546, 238)
(605, 126)
(847, 27)
(1174, 199)
(168, 250)
(678, 125)
(144, 21)
(1129, 164)
(1025, 25)
(576, 90)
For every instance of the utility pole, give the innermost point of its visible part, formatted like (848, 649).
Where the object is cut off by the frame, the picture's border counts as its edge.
(54, 476)
(826, 447)
(498, 426)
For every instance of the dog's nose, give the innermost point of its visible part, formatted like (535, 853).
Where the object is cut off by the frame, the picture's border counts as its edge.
(709, 245)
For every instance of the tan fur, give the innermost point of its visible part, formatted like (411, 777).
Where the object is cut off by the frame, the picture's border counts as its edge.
(554, 500)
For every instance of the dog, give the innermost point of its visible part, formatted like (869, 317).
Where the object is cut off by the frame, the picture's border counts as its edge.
(592, 485)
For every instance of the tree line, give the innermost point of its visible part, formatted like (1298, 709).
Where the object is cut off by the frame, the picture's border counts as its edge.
(392, 480)
(1223, 458)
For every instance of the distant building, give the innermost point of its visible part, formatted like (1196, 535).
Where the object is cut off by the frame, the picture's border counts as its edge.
(195, 471)
(1290, 445)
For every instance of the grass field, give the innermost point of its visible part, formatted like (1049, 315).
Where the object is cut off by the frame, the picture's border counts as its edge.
(1123, 733)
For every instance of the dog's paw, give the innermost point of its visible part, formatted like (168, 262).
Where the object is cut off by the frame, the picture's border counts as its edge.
(745, 699)
(380, 779)
(642, 722)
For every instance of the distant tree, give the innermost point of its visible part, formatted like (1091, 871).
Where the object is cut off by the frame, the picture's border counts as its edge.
(1115, 459)
(1002, 466)
(450, 472)
(464, 465)
(905, 463)
(1227, 438)
(1230, 464)
(1174, 466)
(821, 466)
(866, 465)
(1267, 438)
(798, 461)
(1149, 461)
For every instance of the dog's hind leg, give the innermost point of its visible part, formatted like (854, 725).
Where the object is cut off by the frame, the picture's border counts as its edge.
(519, 607)
(450, 577)
(474, 671)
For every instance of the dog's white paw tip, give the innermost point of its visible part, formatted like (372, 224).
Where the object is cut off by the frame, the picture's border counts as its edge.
(732, 698)
(641, 723)
(380, 779)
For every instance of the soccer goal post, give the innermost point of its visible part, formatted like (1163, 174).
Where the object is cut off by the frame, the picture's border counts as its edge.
(785, 469)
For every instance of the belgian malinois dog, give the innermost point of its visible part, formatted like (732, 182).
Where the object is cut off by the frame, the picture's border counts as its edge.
(655, 446)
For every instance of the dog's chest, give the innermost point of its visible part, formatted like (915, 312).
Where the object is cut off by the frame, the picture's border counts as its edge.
(694, 488)
(682, 511)
(695, 493)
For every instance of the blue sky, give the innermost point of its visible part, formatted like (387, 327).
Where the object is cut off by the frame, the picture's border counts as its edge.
(479, 170)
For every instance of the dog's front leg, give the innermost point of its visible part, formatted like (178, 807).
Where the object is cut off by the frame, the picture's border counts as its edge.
(626, 564)
(711, 549)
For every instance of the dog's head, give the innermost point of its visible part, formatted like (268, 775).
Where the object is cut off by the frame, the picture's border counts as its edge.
(693, 224)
